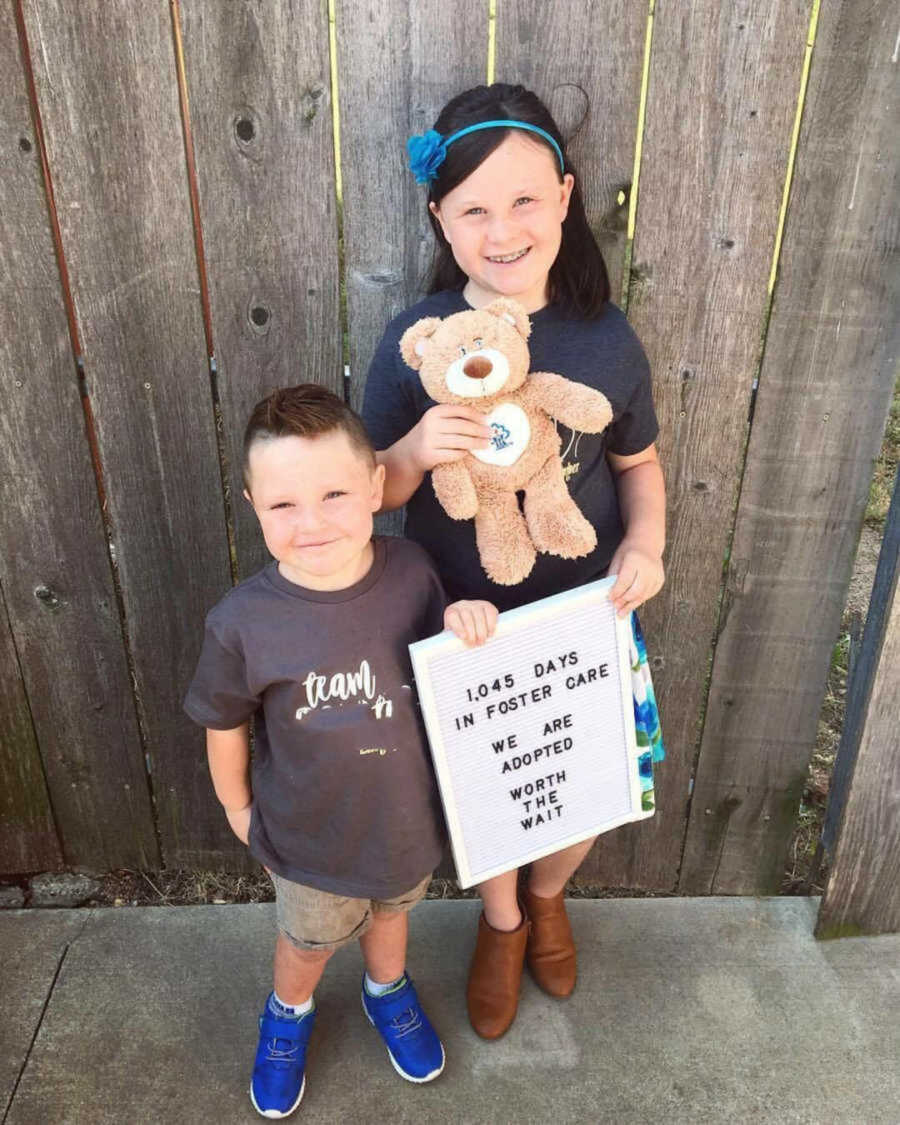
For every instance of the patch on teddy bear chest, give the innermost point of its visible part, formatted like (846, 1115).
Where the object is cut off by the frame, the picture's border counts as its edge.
(511, 432)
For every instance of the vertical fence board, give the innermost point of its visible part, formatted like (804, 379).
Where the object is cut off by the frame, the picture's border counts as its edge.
(721, 101)
(55, 569)
(825, 389)
(260, 97)
(394, 75)
(863, 892)
(564, 52)
(108, 94)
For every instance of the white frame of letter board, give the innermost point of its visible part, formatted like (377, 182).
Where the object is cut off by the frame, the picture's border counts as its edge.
(564, 604)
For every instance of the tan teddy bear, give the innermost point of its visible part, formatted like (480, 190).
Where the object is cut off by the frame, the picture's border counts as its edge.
(480, 358)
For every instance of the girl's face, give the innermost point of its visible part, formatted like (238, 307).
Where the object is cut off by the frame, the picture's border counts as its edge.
(504, 222)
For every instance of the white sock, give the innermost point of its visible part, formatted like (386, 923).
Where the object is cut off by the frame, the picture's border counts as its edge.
(375, 989)
(293, 1009)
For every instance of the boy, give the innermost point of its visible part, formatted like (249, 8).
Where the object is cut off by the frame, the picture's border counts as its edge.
(343, 809)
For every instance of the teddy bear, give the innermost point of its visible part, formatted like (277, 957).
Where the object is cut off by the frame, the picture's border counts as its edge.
(480, 358)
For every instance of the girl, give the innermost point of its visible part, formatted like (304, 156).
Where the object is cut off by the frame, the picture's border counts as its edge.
(509, 221)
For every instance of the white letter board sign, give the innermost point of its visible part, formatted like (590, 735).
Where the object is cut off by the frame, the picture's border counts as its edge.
(532, 734)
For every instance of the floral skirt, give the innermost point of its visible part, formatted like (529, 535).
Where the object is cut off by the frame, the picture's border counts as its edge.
(646, 715)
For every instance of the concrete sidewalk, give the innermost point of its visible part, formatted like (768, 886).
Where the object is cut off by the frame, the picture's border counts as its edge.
(686, 1010)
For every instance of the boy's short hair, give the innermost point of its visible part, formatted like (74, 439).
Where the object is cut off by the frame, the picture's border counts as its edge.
(307, 410)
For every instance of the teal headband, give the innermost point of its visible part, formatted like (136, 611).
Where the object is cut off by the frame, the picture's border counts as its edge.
(429, 151)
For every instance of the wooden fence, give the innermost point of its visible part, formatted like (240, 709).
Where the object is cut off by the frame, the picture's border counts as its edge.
(178, 236)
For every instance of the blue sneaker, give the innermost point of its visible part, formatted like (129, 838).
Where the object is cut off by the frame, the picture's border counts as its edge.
(411, 1041)
(278, 1082)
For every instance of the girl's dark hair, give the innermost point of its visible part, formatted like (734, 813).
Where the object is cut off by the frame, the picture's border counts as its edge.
(578, 280)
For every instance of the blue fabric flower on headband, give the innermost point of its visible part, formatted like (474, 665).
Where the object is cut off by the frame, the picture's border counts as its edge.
(426, 154)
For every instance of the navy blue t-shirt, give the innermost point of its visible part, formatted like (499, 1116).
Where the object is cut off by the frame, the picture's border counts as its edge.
(602, 353)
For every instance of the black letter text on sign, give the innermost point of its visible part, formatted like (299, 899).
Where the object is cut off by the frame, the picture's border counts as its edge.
(532, 735)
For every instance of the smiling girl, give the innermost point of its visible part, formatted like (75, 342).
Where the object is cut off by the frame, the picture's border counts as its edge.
(509, 220)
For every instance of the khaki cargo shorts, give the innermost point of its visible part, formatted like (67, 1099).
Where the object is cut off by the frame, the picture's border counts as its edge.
(317, 920)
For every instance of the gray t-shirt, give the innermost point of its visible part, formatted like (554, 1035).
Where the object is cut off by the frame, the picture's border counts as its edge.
(344, 796)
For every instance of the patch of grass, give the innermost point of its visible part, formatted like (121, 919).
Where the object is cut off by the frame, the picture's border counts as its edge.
(811, 818)
(885, 468)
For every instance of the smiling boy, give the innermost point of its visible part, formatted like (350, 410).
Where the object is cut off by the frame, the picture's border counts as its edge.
(343, 808)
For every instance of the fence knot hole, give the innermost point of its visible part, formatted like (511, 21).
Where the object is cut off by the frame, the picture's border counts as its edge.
(245, 129)
(46, 597)
(248, 133)
(260, 317)
(309, 103)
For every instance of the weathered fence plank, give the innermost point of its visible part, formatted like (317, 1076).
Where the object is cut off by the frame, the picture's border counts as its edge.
(55, 569)
(585, 61)
(863, 891)
(395, 74)
(721, 100)
(825, 389)
(260, 98)
(117, 158)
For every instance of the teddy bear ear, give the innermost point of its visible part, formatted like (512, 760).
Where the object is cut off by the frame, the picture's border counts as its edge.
(508, 309)
(413, 340)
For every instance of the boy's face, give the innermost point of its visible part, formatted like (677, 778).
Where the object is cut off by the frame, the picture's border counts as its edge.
(315, 498)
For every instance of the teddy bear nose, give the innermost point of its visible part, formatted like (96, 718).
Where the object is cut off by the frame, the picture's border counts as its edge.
(478, 367)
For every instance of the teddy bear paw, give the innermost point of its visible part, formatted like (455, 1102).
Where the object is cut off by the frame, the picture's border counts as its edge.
(565, 533)
(597, 414)
(511, 567)
(454, 491)
(460, 507)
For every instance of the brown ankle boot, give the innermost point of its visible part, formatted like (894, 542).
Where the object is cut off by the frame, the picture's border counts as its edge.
(494, 977)
(551, 948)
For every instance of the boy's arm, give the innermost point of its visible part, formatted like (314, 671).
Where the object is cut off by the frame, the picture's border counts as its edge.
(228, 752)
